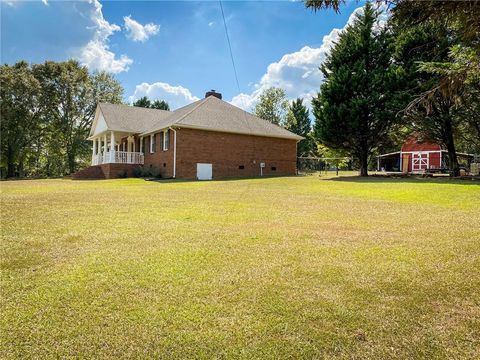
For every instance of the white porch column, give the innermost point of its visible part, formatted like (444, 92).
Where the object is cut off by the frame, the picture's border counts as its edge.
(94, 151)
(112, 147)
(141, 144)
(99, 149)
(105, 149)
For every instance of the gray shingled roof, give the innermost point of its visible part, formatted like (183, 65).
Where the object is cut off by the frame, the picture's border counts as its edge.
(130, 118)
(210, 114)
(214, 114)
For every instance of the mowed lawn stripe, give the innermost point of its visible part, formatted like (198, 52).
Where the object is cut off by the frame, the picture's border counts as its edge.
(298, 267)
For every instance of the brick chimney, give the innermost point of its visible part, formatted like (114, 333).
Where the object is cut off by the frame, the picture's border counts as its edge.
(213, 93)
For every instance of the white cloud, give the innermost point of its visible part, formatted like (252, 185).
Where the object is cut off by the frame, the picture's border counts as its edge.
(297, 73)
(96, 54)
(45, 2)
(176, 96)
(139, 32)
(211, 23)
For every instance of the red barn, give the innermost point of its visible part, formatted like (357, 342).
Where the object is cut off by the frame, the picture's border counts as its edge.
(416, 156)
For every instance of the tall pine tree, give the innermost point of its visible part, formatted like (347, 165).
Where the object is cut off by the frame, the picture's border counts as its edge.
(298, 122)
(356, 104)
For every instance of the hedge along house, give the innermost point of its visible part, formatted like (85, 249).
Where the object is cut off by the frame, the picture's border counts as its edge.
(209, 138)
(418, 156)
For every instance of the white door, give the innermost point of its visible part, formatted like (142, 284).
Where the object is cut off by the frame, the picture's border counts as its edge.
(419, 161)
(204, 171)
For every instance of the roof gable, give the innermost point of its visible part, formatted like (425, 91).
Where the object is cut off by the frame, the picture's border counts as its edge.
(128, 119)
(99, 125)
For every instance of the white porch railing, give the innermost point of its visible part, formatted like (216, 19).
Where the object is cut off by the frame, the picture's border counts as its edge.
(118, 157)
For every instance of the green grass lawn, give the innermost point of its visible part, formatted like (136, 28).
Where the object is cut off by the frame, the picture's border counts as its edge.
(297, 267)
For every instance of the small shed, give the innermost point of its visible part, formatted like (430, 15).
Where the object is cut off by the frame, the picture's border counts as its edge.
(416, 156)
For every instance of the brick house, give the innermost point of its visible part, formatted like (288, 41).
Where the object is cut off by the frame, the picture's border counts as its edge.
(209, 138)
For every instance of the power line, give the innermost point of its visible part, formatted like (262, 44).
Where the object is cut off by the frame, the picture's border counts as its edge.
(230, 47)
(238, 83)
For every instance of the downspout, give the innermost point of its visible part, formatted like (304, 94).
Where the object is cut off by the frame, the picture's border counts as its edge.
(174, 151)
(296, 157)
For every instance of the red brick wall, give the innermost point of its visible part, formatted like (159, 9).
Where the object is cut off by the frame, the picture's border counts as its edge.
(105, 171)
(226, 152)
(114, 171)
(163, 160)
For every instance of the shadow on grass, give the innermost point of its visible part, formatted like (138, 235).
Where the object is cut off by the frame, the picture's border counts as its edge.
(410, 179)
(171, 180)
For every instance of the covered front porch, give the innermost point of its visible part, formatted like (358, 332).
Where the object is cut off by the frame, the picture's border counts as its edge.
(113, 147)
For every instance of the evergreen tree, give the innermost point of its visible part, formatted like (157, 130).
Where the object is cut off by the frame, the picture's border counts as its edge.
(356, 104)
(298, 122)
(143, 102)
(160, 105)
(147, 103)
(434, 116)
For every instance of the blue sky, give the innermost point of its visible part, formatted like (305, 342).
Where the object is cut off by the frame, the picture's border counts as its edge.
(178, 50)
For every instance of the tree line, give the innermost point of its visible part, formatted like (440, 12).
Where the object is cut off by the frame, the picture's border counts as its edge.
(47, 110)
(46, 114)
(419, 73)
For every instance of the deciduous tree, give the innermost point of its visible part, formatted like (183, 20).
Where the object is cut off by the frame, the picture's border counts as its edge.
(272, 106)
(70, 95)
(21, 113)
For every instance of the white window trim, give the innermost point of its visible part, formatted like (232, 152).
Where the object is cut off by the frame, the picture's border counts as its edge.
(164, 145)
(151, 143)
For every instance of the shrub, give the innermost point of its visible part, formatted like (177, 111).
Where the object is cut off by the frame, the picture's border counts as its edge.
(138, 171)
(143, 172)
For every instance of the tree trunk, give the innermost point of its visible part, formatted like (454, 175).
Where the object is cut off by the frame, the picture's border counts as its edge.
(9, 154)
(450, 144)
(363, 159)
(10, 169)
(71, 162)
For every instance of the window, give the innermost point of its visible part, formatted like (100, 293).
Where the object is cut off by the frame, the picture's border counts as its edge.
(153, 145)
(274, 168)
(241, 167)
(166, 140)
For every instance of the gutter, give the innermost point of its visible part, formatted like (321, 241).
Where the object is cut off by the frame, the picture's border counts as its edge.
(294, 137)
